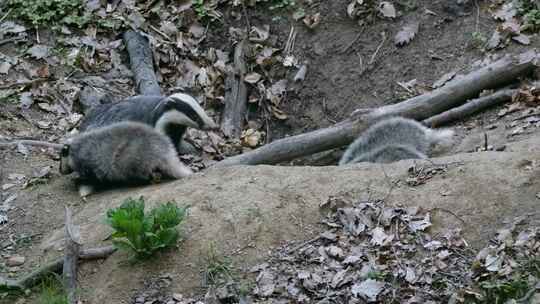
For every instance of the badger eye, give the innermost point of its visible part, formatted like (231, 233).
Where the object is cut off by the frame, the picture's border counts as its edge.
(65, 150)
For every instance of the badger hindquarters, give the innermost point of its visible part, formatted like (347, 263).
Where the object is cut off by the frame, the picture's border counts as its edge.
(394, 139)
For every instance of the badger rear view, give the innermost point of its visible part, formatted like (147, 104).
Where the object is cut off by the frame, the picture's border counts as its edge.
(123, 153)
(395, 139)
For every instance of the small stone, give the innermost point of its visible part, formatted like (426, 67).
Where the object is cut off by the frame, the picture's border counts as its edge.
(139, 300)
(171, 302)
(15, 260)
(177, 297)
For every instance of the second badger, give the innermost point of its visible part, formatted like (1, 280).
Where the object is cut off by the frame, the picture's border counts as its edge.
(120, 153)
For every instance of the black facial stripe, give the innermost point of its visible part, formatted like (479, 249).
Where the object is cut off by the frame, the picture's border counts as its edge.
(65, 150)
(185, 108)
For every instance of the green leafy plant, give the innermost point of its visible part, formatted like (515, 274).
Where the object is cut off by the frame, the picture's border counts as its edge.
(49, 12)
(530, 10)
(200, 9)
(144, 234)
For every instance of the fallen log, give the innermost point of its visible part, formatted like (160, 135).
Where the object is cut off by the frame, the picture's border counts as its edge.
(235, 95)
(470, 108)
(71, 256)
(55, 266)
(454, 93)
(140, 57)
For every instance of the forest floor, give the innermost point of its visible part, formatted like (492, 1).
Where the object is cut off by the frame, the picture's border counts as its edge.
(352, 62)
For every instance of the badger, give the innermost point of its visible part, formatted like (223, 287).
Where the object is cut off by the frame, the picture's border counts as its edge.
(170, 115)
(123, 153)
(394, 139)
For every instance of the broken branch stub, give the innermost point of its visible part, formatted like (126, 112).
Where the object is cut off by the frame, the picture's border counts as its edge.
(453, 94)
(140, 57)
(73, 244)
(235, 94)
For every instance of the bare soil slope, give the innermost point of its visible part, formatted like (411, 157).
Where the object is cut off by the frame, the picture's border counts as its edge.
(246, 211)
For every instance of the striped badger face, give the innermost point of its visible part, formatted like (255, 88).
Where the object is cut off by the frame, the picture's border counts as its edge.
(66, 161)
(182, 109)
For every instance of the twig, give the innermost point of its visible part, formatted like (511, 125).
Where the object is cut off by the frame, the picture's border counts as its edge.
(383, 34)
(477, 16)
(55, 266)
(12, 39)
(161, 33)
(404, 87)
(485, 142)
(248, 24)
(290, 41)
(7, 14)
(73, 244)
(450, 212)
(28, 142)
(348, 46)
(298, 247)
(21, 83)
(527, 116)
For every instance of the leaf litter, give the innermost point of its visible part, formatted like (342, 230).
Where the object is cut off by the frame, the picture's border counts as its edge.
(392, 258)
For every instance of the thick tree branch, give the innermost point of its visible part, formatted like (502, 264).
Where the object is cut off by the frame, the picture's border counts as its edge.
(454, 93)
(55, 266)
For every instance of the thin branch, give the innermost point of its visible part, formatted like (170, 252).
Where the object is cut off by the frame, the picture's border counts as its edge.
(28, 142)
(73, 244)
(21, 83)
(55, 266)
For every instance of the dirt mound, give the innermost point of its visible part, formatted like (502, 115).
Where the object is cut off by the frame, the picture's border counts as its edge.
(245, 211)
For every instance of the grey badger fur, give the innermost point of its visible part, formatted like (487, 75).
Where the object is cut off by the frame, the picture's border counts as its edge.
(120, 153)
(394, 139)
(170, 115)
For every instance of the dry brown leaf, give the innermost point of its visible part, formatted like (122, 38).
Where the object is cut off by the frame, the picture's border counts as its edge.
(258, 34)
(368, 289)
(278, 113)
(506, 12)
(407, 34)
(312, 21)
(522, 39)
(510, 27)
(387, 9)
(252, 78)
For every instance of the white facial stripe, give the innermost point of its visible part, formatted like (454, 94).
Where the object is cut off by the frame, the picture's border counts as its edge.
(174, 117)
(196, 107)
